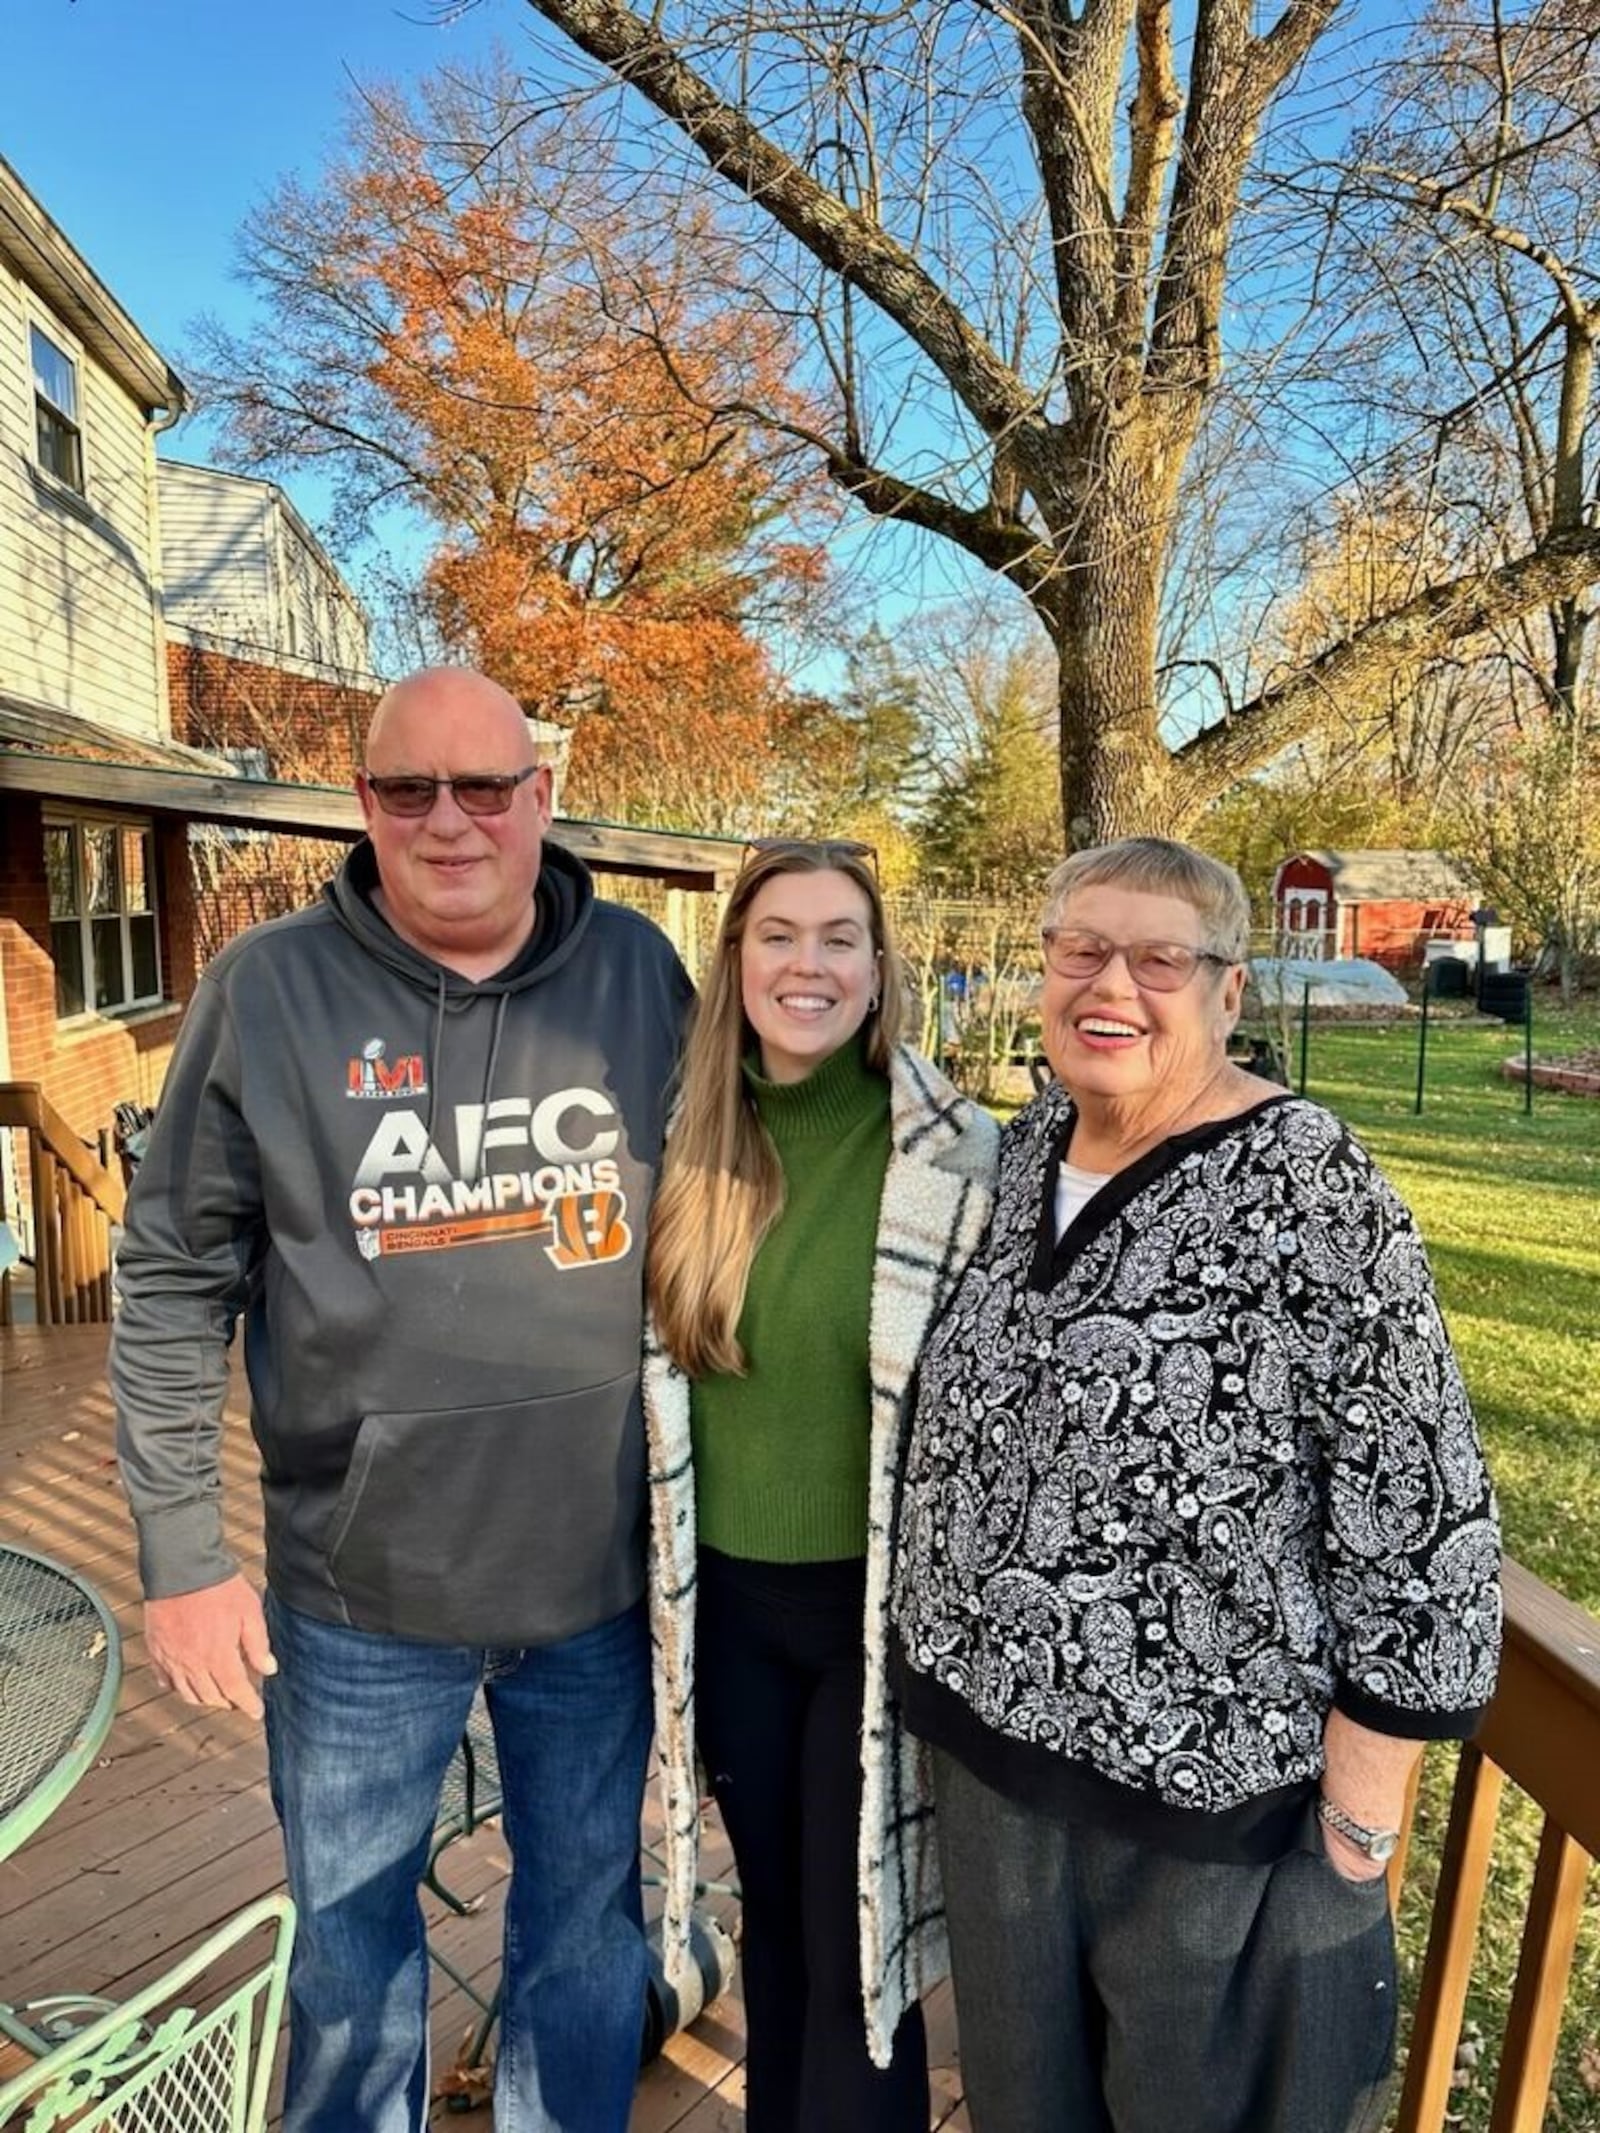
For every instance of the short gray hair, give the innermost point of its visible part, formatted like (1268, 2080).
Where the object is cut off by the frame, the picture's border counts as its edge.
(1161, 866)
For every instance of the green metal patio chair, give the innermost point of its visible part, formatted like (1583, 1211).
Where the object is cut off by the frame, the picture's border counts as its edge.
(171, 2059)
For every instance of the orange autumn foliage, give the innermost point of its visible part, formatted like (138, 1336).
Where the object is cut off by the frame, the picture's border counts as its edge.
(679, 716)
(542, 349)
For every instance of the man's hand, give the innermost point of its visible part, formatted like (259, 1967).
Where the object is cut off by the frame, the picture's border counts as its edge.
(211, 1645)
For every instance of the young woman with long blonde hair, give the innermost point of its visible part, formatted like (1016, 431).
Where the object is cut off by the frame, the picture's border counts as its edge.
(822, 1189)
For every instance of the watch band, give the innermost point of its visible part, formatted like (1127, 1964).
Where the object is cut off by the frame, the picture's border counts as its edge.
(1380, 1845)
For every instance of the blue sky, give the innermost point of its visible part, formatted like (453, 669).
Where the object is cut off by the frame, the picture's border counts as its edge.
(147, 128)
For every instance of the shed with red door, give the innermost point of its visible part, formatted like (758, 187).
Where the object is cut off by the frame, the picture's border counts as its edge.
(1387, 906)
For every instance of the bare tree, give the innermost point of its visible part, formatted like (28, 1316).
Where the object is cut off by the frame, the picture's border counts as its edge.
(1477, 184)
(972, 974)
(1008, 223)
(1532, 838)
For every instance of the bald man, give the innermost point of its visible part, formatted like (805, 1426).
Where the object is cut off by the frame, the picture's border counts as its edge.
(409, 1137)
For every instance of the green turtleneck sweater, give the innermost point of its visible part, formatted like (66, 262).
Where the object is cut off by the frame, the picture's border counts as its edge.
(780, 1455)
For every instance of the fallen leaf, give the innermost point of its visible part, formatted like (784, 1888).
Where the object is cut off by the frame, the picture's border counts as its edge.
(469, 2086)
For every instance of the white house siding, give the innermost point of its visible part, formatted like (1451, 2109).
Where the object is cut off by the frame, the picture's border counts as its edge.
(216, 547)
(328, 624)
(79, 577)
(240, 565)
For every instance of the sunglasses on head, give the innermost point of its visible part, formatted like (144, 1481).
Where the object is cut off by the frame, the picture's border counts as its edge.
(487, 792)
(830, 850)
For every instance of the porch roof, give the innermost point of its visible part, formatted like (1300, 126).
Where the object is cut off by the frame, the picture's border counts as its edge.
(163, 778)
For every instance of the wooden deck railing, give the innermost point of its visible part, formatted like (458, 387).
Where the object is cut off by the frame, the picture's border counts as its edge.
(74, 1200)
(1543, 1733)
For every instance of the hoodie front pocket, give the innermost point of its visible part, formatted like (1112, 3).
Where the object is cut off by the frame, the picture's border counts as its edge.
(509, 1525)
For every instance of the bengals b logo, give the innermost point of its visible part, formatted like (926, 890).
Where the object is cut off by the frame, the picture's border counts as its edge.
(590, 1228)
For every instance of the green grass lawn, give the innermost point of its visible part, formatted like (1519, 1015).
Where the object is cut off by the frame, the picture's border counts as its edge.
(1510, 1208)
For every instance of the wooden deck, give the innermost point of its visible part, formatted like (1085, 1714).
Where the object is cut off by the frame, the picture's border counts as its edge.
(172, 1832)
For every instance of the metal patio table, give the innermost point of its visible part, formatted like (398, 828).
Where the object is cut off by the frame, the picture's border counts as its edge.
(194, 2048)
(60, 1667)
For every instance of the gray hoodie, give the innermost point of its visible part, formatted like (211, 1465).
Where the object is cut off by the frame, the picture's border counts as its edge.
(425, 1197)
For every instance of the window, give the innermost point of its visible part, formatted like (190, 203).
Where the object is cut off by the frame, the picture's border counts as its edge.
(55, 402)
(102, 915)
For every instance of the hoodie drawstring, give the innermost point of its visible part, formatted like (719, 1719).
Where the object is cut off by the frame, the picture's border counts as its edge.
(500, 1007)
(441, 1008)
(434, 1075)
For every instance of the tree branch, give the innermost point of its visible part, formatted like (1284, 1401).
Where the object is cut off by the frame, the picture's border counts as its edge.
(1232, 79)
(1006, 545)
(1152, 124)
(1443, 614)
(1071, 72)
(840, 237)
(1441, 200)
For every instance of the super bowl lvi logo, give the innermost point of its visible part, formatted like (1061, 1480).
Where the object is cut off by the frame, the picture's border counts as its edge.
(372, 1076)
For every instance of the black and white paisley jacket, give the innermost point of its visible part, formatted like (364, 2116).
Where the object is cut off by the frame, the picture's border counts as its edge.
(1201, 1469)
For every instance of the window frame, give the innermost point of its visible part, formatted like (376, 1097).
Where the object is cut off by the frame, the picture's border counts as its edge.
(37, 320)
(85, 919)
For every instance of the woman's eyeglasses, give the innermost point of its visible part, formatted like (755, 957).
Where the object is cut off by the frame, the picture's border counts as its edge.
(1154, 966)
(487, 792)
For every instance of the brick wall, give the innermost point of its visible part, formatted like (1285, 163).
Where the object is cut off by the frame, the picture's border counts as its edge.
(312, 729)
(87, 1066)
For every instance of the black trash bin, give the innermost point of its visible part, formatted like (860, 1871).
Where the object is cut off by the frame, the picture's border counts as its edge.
(1505, 993)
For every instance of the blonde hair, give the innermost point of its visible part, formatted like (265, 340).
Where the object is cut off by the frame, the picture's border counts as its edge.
(1161, 866)
(721, 1185)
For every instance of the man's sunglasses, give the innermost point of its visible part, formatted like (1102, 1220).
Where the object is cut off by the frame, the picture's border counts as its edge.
(487, 792)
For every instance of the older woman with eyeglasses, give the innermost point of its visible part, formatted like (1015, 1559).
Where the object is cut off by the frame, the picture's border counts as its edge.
(1197, 1548)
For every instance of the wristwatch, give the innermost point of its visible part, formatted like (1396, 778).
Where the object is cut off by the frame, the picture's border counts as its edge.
(1380, 1845)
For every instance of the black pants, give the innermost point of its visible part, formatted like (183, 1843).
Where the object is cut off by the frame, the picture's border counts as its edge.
(778, 1683)
(1104, 1987)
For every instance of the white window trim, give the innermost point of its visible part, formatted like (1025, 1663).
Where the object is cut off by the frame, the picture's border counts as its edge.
(37, 314)
(78, 819)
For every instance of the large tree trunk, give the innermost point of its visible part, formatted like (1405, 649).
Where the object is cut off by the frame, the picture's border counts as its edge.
(1115, 771)
(1102, 607)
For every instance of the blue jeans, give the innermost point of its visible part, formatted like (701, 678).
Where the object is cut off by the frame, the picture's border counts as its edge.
(360, 1729)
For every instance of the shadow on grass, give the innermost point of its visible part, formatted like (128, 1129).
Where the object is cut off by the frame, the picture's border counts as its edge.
(1530, 1292)
(1532, 1167)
